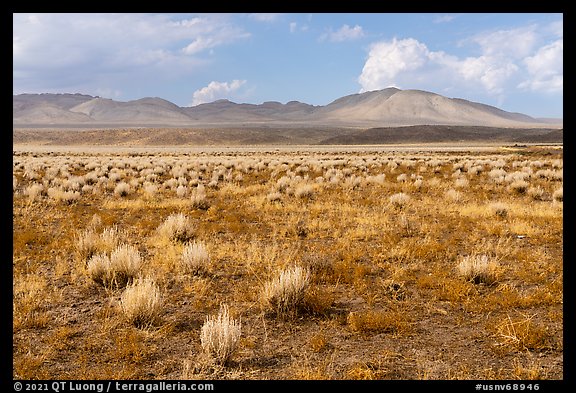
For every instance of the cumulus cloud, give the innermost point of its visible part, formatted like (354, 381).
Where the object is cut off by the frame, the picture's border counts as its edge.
(508, 59)
(386, 60)
(216, 90)
(73, 51)
(546, 68)
(345, 33)
(511, 43)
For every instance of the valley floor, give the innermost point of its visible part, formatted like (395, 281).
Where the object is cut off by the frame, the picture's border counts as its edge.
(442, 263)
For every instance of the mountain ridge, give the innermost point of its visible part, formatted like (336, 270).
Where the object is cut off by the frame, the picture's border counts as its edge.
(389, 107)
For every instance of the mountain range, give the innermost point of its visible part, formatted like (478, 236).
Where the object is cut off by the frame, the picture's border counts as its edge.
(389, 107)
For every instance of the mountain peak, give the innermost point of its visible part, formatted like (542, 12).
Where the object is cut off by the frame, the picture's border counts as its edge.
(378, 108)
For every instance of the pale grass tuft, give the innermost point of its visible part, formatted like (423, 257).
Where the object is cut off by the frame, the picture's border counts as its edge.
(141, 302)
(478, 269)
(198, 198)
(195, 258)
(60, 195)
(519, 186)
(558, 195)
(274, 196)
(89, 242)
(453, 195)
(536, 193)
(304, 191)
(399, 200)
(177, 227)
(285, 293)
(116, 270)
(122, 189)
(220, 335)
(34, 191)
(499, 209)
(461, 183)
(86, 244)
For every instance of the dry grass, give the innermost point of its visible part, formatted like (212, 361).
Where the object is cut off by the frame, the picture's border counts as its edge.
(220, 335)
(478, 269)
(116, 270)
(285, 293)
(177, 227)
(141, 302)
(195, 258)
(341, 263)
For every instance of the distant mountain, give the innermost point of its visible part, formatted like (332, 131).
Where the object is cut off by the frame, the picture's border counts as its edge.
(382, 108)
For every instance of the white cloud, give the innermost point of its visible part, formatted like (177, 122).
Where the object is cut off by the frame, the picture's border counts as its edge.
(546, 68)
(216, 90)
(522, 58)
(514, 43)
(386, 60)
(491, 72)
(74, 51)
(265, 17)
(345, 33)
(293, 27)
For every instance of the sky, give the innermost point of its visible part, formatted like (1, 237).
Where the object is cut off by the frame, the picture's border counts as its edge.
(513, 61)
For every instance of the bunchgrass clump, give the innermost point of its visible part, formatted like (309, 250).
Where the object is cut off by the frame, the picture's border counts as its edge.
(478, 269)
(399, 200)
(141, 302)
(122, 189)
(499, 209)
(519, 186)
(195, 258)
(285, 293)
(558, 195)
(304, 191)
(88, 242)
(220, 335)
(177, 227)
(198, 198)
(116, 270)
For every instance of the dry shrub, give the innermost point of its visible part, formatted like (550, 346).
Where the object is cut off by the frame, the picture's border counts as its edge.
(274, 196)
(285, 293)
(220, 335)
(198, 198)
(499, 209)
(558, 195)
(478, 269)
(122, 189)
(118, 270)
(536, 193)
(177, 227)
(195, 258)
(34, 191)
(304, 191)
(89, 242)
(399, 200)
(141, 302)
(519, 186)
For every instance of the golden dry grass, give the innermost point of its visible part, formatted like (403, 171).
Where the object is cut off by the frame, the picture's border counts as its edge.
(385, 243)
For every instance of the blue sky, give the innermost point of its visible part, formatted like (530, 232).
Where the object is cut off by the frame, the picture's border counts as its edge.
(512, 61)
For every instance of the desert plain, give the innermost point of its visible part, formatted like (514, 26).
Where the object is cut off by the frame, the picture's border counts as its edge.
(393, 262)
